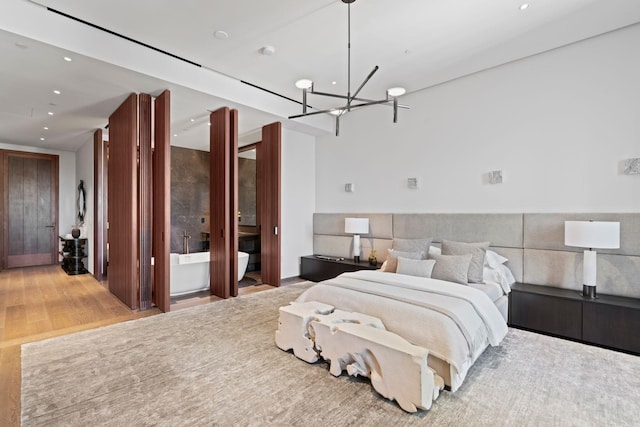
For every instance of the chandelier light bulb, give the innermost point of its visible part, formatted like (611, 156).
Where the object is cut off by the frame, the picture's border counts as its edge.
(396, 91)
(336, 111)
(304, 84)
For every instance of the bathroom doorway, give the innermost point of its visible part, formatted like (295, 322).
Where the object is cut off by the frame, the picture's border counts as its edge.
(249, 215)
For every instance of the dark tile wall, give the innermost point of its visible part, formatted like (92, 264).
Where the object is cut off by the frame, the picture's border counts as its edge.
(189, 197)
(247, 191)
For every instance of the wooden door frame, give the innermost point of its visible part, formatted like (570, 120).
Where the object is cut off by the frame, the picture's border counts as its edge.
(99, 206)
(4, 200)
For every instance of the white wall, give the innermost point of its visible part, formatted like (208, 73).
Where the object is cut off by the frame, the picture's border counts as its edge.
(66, 183)
(558, 125)
(298, 199)
(84, 171)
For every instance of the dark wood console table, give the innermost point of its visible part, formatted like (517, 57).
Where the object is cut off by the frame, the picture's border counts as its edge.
(317, 269)
(608, 321)
(72, 254)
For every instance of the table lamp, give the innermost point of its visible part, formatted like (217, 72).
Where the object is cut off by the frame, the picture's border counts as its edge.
(356, 226)
(591, 234)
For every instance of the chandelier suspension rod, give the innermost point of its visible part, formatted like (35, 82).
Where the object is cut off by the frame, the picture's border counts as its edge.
(349, 52)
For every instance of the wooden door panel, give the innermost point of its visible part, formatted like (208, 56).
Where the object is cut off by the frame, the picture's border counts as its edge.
(269, 181)
(162, 201)
(31, 188)
(220, 228)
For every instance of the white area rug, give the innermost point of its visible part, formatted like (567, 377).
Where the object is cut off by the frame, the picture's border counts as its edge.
(217, 364)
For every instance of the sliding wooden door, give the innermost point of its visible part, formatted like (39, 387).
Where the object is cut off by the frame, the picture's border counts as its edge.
(29, 209)
(123, 202)
(223, 203)
(162, 201)
(269, 187)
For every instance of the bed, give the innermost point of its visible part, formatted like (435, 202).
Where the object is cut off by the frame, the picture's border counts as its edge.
(454, 322)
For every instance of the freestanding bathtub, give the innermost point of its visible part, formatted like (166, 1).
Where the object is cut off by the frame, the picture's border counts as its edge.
(190, 272)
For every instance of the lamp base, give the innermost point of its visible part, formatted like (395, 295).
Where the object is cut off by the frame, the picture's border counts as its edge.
(589, 292)
(356, 258)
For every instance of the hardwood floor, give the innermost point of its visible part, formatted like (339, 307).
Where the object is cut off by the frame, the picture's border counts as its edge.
(43, 302)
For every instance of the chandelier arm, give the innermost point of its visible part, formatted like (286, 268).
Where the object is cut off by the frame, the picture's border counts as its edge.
(313, 113)
(362, 85)
(334, 95)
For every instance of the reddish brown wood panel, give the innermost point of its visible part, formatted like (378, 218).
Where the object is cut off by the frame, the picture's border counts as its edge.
(162, 200)
(99, 211)
(145, 199)
(269, 189)
(233, 201)
(3, 215)
(123, 202)
(29, 209)
(220, 204)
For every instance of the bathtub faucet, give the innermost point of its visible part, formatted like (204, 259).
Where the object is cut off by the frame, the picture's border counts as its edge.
(185, 242)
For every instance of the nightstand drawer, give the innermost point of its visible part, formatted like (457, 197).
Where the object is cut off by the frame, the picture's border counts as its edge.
(548, 314)
(612, 326)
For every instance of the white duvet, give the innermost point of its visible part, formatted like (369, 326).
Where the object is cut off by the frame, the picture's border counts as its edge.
(454, 322)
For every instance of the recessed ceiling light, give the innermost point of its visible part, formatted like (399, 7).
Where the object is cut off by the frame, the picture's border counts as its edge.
(42, 139)
(66, 58)
(209, 123)
(192, 120)
(50, 113)
(334, 82)
(45, 128)
(267, 50)
(175, 134)
(57, 92)
(221, 35)
(524, 6)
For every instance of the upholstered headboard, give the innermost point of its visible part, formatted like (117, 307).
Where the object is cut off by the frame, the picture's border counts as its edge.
(533, 243)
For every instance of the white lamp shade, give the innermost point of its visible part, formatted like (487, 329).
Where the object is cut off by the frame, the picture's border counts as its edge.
(356, 225)
(592, 234)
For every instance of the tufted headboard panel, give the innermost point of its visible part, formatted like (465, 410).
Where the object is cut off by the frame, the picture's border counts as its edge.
(533, 243)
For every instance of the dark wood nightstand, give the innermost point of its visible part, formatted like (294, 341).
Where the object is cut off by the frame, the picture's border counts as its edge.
(317, 269)
(608, 321)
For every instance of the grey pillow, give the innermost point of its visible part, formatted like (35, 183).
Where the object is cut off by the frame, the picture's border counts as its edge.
(415, 267)
(477, 251)
(392, 258)
(452, 268)
(411, 245)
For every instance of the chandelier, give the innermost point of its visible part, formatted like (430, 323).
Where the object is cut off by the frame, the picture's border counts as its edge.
(352, 101)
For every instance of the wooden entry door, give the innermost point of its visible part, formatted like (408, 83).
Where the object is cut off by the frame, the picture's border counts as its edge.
(30, 191)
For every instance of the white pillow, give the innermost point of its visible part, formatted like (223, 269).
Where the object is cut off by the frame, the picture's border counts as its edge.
(500, 275)
(434, 250)
(415, 267)
(493, 259)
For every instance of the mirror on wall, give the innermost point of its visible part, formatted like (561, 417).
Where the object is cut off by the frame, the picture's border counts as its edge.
(247, 195)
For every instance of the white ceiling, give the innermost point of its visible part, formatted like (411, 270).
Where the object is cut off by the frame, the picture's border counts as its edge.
(416, 44)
